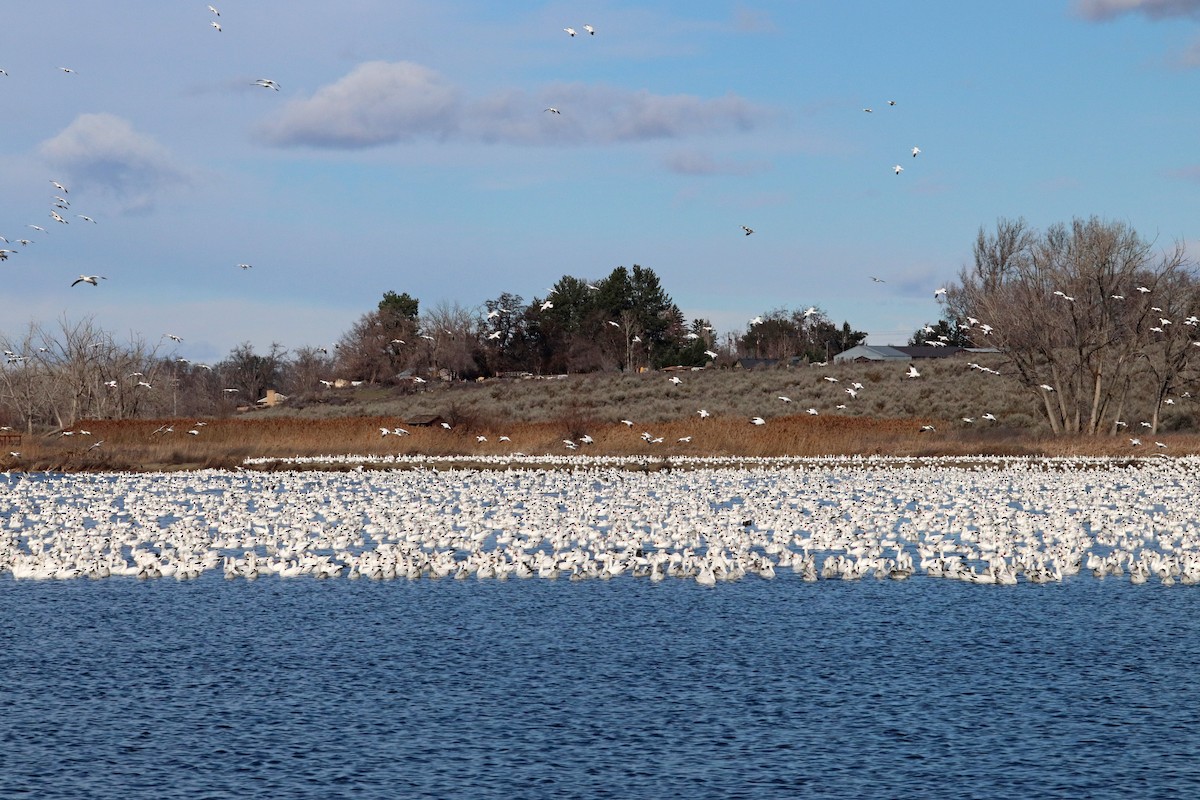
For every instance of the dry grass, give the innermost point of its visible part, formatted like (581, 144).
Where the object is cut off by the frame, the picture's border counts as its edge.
(537, 415)
(131, 445)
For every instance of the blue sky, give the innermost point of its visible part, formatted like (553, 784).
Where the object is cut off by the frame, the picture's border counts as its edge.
(408, 150)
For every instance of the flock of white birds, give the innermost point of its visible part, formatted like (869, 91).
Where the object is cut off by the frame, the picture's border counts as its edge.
(990, 521)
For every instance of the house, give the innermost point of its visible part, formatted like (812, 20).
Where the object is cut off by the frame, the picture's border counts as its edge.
(877, 352)
(273, 398)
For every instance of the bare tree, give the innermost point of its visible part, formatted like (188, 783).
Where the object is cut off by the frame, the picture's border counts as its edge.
(1075, 309)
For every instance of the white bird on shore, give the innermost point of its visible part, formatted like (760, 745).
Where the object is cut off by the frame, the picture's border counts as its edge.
(675, 379)
(785, 399)
(92, 279)
(758, 421)
(811, 411)
(703, 413)
(1046, 387)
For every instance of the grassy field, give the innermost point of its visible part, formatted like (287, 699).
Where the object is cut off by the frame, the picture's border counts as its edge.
(885, 418)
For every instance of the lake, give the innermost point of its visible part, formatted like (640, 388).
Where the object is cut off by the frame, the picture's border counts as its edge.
(619, 688)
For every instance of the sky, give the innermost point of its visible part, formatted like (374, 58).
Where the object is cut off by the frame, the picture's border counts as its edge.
(408, 149)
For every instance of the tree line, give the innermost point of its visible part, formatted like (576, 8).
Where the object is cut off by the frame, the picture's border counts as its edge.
(626, 321)
(1089, 316)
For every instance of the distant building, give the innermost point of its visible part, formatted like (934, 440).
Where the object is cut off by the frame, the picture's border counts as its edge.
(272, 399)
(878, 352)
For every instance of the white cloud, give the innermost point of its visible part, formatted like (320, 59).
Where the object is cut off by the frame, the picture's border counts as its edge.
(103, 151)
(378, 103)
(1106, 9)
(383, 103)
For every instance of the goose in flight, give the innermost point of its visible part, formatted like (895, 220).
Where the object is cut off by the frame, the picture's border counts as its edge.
(591, 31)
(92, 279)
(898, 169)
(266, 83)
(756, 321)
(58, 218)
(710, 354)
(37, 228)
(173, 337)
(877, 280)
(939, 293)
(245, 266)
(59, 186)
(747, 230)
(912, 372)
(68, 70)
(86, 218)
(916, 151)
(213, 10)
(553, 110)
(570, 32)
(216, 25)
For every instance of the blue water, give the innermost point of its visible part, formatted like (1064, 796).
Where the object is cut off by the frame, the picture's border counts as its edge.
(624, 688)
